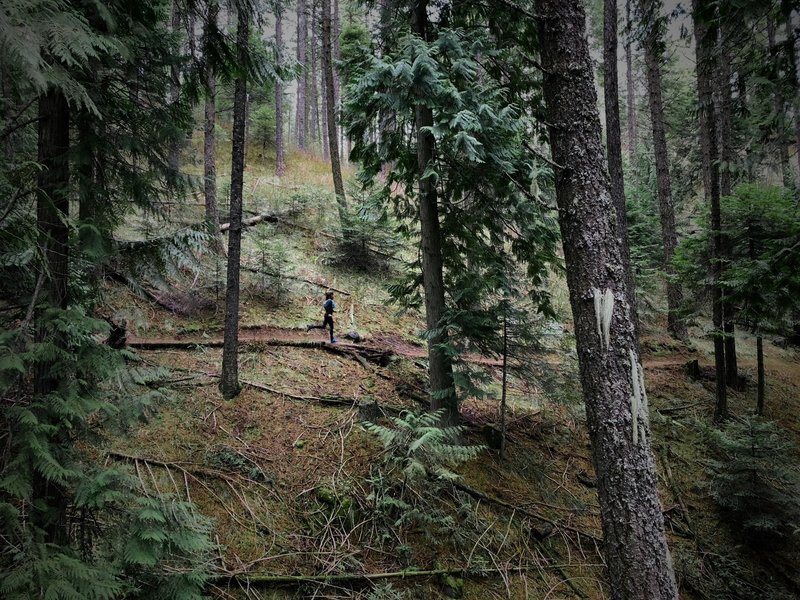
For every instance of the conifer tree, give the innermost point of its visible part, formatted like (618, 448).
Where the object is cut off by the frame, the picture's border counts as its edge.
(280, 159)
(330, 110)
(637, 556)
(210, 120)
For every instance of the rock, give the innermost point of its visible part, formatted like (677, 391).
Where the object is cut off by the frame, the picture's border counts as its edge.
(353, 336)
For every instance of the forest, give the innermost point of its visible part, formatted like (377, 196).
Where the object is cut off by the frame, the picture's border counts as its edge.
(400, 299)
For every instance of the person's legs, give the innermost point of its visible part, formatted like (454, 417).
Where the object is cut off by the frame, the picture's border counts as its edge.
(329, 321)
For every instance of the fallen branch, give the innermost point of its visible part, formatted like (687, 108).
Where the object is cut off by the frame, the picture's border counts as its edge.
(191, 469)
(494, 500)
(269, 217)
(324, 286)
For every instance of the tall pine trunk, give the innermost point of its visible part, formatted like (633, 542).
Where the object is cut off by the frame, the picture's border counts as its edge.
(637, 556)
(440, 367)
(229, 382)
(706, 43)
(614, 141)
(330, 108)
(52, 213)
(650, 11)
(779, 107)
(301, 109)
(337, 56)
(209, 126)
(314, 129)
(761, 377)
(725, 100)
(630, 85)
(280, 159)
(790, 48)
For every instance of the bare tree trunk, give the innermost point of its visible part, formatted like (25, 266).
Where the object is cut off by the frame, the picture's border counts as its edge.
(386, 120)
(229, 381)
(302, 59)
(337, 56)
(504, 384)
(706, 42)
(209, 128)
(280, 159)
(637, 555)
(315, 124)
(631, 87)
(790, 48)
(727, 157)
(614, 142)
(779, 105)
(440, 367)
(650, 11)
(174, 156)
(327, 70)
(761, 377)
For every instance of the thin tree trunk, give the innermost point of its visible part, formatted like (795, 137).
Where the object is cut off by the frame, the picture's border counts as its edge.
(761, 378)
(386, 120)
(706, 42)
(504, 384)
(631, 87)
(614, 142)
(637, 555)
(650, 10)
(327, 70)
(326, 150)
(174, 156)
(209, 129)
(337, 56)
(779, 107)
(280, 159)
(229, 381)
(726, 186)
(440, 367)
(790, 48)
(302, 59)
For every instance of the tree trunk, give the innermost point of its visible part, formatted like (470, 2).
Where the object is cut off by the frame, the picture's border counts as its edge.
(637, 555)
(333, 146)
(302, 59)
(650, 10)
(280, 159)
(706, 42)
(52, 212)
(761, 378)
(209, 129)
(337, 56)
(315, 125)
(229, 381)
(787, 11)
(631, 87)
(726, 186)
(174, 156)
(614, 142)
(440, 367)
(504, 383)
(779, 107)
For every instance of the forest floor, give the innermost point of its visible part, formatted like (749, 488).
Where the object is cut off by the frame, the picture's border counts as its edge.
(300, 491)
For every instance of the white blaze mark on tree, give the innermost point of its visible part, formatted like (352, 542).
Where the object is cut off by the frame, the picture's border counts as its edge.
(603, 309)
(639, 396)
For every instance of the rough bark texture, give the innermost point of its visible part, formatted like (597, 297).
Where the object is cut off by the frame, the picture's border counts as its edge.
(631, 87)
(209, 138)
(706, 41)
(651, 45)
(638, 559)
(614, 141)
(280, 159)
(790, 48)
(174, 156)
(314, 128)
(727, 157)
(302, 81)
(440, 367)
(229, 381)
(330, 107)
(779, 106)
(336, 30)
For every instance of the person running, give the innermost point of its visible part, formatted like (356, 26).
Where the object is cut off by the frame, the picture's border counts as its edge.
(329, 306)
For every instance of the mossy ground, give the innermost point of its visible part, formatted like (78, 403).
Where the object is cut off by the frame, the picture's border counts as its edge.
(289, 481)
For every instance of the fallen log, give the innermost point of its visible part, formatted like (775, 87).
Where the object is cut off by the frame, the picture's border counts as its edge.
(324, 286)
(268, 217)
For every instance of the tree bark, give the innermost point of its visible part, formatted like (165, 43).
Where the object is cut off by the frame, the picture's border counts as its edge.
(779, 107)
(330, 107)
(706, 42)
(440, 367)
(727, 158)
(631, 87)
(229, 381)
(209, 128)
(761, 378)
(638, 559)
(174, 156)
(614, 142)
(650, 12)
(315, 125)
(790, 48)
(302, 81)
(280, 159)
(337, 56)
